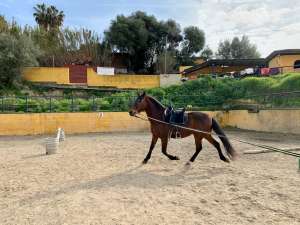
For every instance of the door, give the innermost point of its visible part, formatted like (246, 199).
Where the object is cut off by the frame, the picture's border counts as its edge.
(78, 74)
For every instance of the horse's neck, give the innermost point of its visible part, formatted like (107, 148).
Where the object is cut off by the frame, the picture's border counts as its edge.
(154, 109)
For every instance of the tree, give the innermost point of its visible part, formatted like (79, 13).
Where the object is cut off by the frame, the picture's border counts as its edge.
(172, 32)
(15, 53)
(48, 17)
(3, 24)
(143, 37)
(194, 40)
(166, 62)
(224, 50)
(49, 43)
(237, 49)
(193, 43)
(206, 54)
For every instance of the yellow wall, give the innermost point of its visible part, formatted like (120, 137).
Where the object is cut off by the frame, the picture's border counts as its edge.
(265, 120)
(47, 123)
(59, 75)
(122, 81)
(284, 60)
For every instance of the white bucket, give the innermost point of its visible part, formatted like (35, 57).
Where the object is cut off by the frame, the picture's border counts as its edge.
(51, 145)
(62, 135)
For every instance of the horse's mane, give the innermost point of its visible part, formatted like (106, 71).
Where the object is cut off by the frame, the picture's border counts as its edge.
(156, 102)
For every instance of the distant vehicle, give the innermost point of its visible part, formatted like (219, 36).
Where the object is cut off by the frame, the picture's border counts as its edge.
(226, 75)
(183, 79)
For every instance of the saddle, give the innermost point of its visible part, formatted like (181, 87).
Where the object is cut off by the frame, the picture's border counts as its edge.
(173, 116)
(176, 117)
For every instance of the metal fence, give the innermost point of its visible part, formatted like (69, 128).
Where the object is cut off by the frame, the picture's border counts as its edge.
(33, 104)
(36, 104)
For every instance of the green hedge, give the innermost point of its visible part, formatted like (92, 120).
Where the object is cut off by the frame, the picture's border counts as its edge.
(205, 93)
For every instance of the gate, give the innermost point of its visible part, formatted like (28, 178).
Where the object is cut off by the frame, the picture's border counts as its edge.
(78, 74)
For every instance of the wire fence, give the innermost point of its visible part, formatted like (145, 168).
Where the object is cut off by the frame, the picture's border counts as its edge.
(36, 104)
(204, 101)
(280, 100)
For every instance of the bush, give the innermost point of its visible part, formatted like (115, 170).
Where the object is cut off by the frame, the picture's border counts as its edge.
(15, 53)
(202, 94)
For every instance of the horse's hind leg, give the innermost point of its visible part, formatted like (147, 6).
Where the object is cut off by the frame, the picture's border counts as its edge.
(164, 144)
(211, 140)
(153, 142)
(198, 142)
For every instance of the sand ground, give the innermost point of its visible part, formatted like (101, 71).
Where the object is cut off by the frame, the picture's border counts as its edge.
(98, 179)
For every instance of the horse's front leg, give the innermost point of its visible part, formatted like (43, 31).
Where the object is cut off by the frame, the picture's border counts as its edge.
(164, 145)
(153, 142)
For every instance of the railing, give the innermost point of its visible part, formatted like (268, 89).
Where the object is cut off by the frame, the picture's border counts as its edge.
(36, 104)
(280, 100)
(204, 101)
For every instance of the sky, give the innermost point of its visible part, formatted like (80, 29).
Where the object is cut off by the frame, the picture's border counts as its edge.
(270, 24)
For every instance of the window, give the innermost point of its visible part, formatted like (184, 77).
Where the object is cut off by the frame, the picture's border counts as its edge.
(297, 64)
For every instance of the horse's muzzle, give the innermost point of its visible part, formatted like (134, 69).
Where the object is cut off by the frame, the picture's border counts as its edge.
(132, 113)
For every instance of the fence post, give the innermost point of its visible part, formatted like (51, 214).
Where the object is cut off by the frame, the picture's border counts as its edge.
(26, 100)
(50, 104)
(93, 106)
(2, 103)
(72, 103)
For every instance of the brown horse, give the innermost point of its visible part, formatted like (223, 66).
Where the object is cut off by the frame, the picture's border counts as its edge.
(196, 120)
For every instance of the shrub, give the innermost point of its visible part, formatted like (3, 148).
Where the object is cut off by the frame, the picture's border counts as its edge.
(15, 53)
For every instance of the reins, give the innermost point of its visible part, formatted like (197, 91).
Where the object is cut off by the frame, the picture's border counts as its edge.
(213, 134)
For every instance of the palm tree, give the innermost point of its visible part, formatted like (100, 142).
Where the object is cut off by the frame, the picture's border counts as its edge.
(56, 17)
(48, 17)
(40, 15)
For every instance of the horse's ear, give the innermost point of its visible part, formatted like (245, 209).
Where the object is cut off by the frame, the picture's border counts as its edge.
(141, 94)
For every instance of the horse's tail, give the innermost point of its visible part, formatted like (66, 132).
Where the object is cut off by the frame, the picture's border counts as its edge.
(229, 149)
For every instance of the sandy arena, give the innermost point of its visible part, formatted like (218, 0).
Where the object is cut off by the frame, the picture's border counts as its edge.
(98, 179)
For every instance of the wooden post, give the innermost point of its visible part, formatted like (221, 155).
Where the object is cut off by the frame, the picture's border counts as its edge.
(50, 104)
(26, 100)
(72, 103)
(94, 106)
(2, 100)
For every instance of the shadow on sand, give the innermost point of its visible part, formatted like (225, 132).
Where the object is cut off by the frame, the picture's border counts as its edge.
(134, 177)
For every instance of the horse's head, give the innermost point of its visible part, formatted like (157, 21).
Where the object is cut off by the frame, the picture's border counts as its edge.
(139, 104)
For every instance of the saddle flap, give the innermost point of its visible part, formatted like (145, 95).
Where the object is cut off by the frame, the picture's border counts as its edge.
(175, 116)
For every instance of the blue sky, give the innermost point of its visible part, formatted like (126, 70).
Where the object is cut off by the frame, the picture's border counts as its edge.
(270, 24)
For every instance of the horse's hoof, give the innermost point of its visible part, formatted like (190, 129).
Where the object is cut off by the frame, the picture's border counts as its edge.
(144, 161)
(188, 163)
(226, 160)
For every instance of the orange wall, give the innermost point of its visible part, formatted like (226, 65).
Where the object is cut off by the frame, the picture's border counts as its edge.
(122, 81)
(283, 61)
(58, 75)
(48, 123)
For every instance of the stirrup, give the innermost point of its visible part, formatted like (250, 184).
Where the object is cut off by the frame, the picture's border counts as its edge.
(177, 135)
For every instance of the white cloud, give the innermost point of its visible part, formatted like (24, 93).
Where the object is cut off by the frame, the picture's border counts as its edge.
(270, 24)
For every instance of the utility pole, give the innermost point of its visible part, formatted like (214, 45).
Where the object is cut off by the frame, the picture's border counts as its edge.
(166, 55)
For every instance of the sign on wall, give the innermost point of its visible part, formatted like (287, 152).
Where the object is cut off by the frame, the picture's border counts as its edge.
(105, 70)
